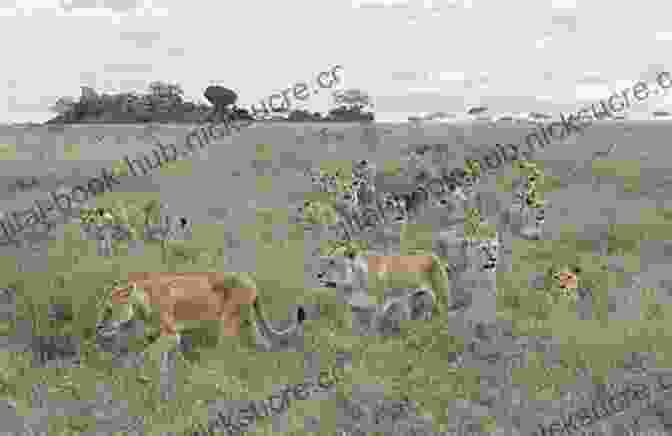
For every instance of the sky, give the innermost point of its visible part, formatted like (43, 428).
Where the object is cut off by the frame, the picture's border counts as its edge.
(412, 57)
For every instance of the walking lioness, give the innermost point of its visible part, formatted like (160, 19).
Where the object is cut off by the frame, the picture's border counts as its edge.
(415, 270)
(178, 301)
(378, 272)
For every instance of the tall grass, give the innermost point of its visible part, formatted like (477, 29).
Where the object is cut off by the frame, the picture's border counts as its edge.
(412, 365)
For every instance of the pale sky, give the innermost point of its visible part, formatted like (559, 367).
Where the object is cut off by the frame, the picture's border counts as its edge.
(412, 57)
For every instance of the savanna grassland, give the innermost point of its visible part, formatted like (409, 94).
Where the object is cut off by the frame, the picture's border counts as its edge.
(240, 194)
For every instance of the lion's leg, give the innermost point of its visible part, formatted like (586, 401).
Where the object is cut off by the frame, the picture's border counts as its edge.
(240, 286)
(168, 337)
(236, 290)
(231, 322)
(440, 284)
(138, 298)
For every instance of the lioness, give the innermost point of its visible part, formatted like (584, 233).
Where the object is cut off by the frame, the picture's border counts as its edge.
(414, 271)
(178, 301)
(374, 271)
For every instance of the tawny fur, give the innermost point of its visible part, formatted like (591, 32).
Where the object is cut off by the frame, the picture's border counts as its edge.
(381, 264)
(190, 296)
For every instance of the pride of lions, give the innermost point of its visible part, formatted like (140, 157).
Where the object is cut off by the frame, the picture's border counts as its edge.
(177, 301)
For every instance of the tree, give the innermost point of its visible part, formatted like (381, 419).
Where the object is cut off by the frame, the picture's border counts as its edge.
(221, 98)
(88, 94)
(478, 110)
(352, 99)
(218, 95)
(303, 115)
(166, 90)
(539, 116)
(350, 104)
(241, 113)
(63, 105)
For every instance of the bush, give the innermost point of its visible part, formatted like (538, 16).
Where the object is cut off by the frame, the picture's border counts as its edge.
(349, 114)
(164, 103)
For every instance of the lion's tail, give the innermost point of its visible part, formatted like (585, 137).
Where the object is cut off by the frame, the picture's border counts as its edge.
(440, 284)
(267, 331)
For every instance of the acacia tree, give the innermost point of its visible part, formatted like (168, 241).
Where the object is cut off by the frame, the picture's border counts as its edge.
(221, 99)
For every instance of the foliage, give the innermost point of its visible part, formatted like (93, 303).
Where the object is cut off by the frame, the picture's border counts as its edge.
(319, 213)
(530, 170)
(63, 105)
(534, 178)
(475, 227)
(473, 168)
(152, 211)
(98, 215)
(350, 104)
(301, 115)
(135, 216)
(239, 113)
(533, 198)
(349, 248)
(343, 114)
(352, 98)
(164, 89)
(163, 103)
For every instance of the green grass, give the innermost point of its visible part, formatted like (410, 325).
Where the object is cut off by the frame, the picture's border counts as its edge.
(419, 361)
(599, 343)
(392, 167)
(232, 369)
(7, 152)
(182, 167)
(264, 152)
(264, 184)
(629, 171)
(507, 180)
(71, 152)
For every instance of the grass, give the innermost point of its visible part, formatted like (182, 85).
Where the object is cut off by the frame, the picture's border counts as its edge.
(71, 152)
(264, 152)
(181, 167)
(392, 168)
(78, 277)
(628, 171)
(265, 184)
(507, 180)
(599, 344)
(232, 369)
(7, 152)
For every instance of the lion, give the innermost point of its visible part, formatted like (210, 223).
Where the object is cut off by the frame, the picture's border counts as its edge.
(366, 271)
(174, 302)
